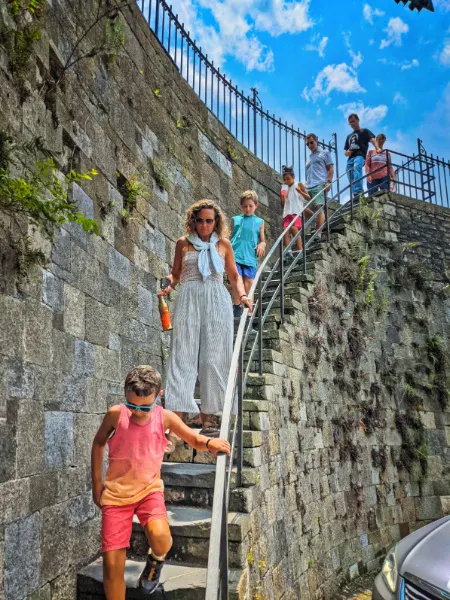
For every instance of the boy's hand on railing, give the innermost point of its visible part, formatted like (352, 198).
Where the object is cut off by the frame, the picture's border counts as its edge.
(247, 302)
(219, 445)
(369, 179)
(260, 249)
(97, 491)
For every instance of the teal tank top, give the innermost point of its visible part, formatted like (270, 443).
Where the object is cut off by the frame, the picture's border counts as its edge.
(245, 238)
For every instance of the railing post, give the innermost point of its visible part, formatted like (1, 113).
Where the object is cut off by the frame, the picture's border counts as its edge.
(260, 324)
(157, 17)
(224, 550)
(255, 141)
(281, 282)
(327, 221)
(336, 176)
(239, 416)
(388, 164)
(419, 147)
(351, 194)
(304, 244)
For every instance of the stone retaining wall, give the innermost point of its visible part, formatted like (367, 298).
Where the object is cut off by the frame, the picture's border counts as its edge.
(70, 333)
(355, 452)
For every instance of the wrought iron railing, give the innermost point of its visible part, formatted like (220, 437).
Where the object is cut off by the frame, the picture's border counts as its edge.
(273, 141)
(422, 176)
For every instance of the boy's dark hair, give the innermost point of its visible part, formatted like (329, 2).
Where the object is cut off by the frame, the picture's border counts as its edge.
(287, 170)
(143, 381)
(353, 115)
(312, 135)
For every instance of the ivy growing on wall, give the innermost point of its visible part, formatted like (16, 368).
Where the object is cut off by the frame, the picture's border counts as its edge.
(39, 198)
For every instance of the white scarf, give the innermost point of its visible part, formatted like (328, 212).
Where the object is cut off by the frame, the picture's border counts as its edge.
(203, 261)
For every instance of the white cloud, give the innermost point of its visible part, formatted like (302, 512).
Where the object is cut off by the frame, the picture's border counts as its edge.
(283, 16)
(442, 5)
(317, 46)
(340, 78)
(444, 56)
(369, 115)
(232, 34)
(409, 65)
(399, 99)
(395, 29)
(357, 57)
(369, 13)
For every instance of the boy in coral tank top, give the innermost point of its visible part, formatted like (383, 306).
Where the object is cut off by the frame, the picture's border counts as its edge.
(134, 432)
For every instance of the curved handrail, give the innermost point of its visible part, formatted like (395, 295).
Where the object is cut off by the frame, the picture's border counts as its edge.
(222, 481)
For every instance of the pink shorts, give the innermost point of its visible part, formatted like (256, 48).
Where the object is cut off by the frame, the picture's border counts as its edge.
(287, 222)
(117, 521)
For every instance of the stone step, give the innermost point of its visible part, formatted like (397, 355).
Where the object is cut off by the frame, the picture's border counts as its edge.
(179, 582)
(192, 475)
(190, 528)
(253, 421)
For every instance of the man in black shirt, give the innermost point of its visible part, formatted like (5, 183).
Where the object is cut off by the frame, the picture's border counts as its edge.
(356, 146)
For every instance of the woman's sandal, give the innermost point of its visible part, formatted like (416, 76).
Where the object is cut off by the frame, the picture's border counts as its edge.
(210, 431)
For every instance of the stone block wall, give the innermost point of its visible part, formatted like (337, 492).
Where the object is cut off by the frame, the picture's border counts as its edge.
(355, 452)
(71, 331)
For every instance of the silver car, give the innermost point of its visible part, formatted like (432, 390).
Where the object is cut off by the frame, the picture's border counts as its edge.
(418, 567)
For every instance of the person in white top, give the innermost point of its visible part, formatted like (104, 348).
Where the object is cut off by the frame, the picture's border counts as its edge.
(292, 195)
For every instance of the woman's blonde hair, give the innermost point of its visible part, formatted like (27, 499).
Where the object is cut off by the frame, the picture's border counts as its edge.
(221, 227)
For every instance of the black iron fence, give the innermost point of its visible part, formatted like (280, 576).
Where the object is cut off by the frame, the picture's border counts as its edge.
(273, 141)
(422, 176)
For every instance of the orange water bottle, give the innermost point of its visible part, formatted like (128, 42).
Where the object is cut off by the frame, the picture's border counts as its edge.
(166, 321)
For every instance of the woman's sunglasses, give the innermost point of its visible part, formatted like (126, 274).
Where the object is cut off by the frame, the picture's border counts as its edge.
(200, 221)
(145, 408)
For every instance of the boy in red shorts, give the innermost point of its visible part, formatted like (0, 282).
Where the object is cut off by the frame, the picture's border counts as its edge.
(134, 432)
(292, 194)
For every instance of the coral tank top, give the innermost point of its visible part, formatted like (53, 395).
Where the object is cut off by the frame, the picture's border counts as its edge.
(135, 457)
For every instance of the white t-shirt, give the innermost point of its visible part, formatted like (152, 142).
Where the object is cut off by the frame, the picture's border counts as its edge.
(294, 200)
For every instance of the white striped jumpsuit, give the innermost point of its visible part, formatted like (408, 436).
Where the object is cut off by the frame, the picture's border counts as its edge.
(202, 340)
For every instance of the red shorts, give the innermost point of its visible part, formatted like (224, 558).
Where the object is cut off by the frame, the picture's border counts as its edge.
(287, 221)
(117, 521)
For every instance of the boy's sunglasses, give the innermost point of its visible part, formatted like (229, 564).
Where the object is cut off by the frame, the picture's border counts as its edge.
(145, 408)
(311, 142)
(199, 221)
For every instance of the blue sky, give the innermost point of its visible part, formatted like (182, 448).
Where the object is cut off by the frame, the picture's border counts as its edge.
(314, 61)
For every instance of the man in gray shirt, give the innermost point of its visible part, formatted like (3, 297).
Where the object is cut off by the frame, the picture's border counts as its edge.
(319, 175)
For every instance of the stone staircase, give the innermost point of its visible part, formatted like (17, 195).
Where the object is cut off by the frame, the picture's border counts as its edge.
(189, 478)
(189, 484)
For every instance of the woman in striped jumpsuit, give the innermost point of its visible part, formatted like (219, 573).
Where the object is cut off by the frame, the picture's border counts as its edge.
(202, 342)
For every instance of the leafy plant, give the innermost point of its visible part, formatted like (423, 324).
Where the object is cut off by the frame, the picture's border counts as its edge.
(232, 154)
(439, 356)
(183, 123)
(159, 175)
(130, 190)
(366, 213)
(43, 197)
(40, 199)
(17, 8)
